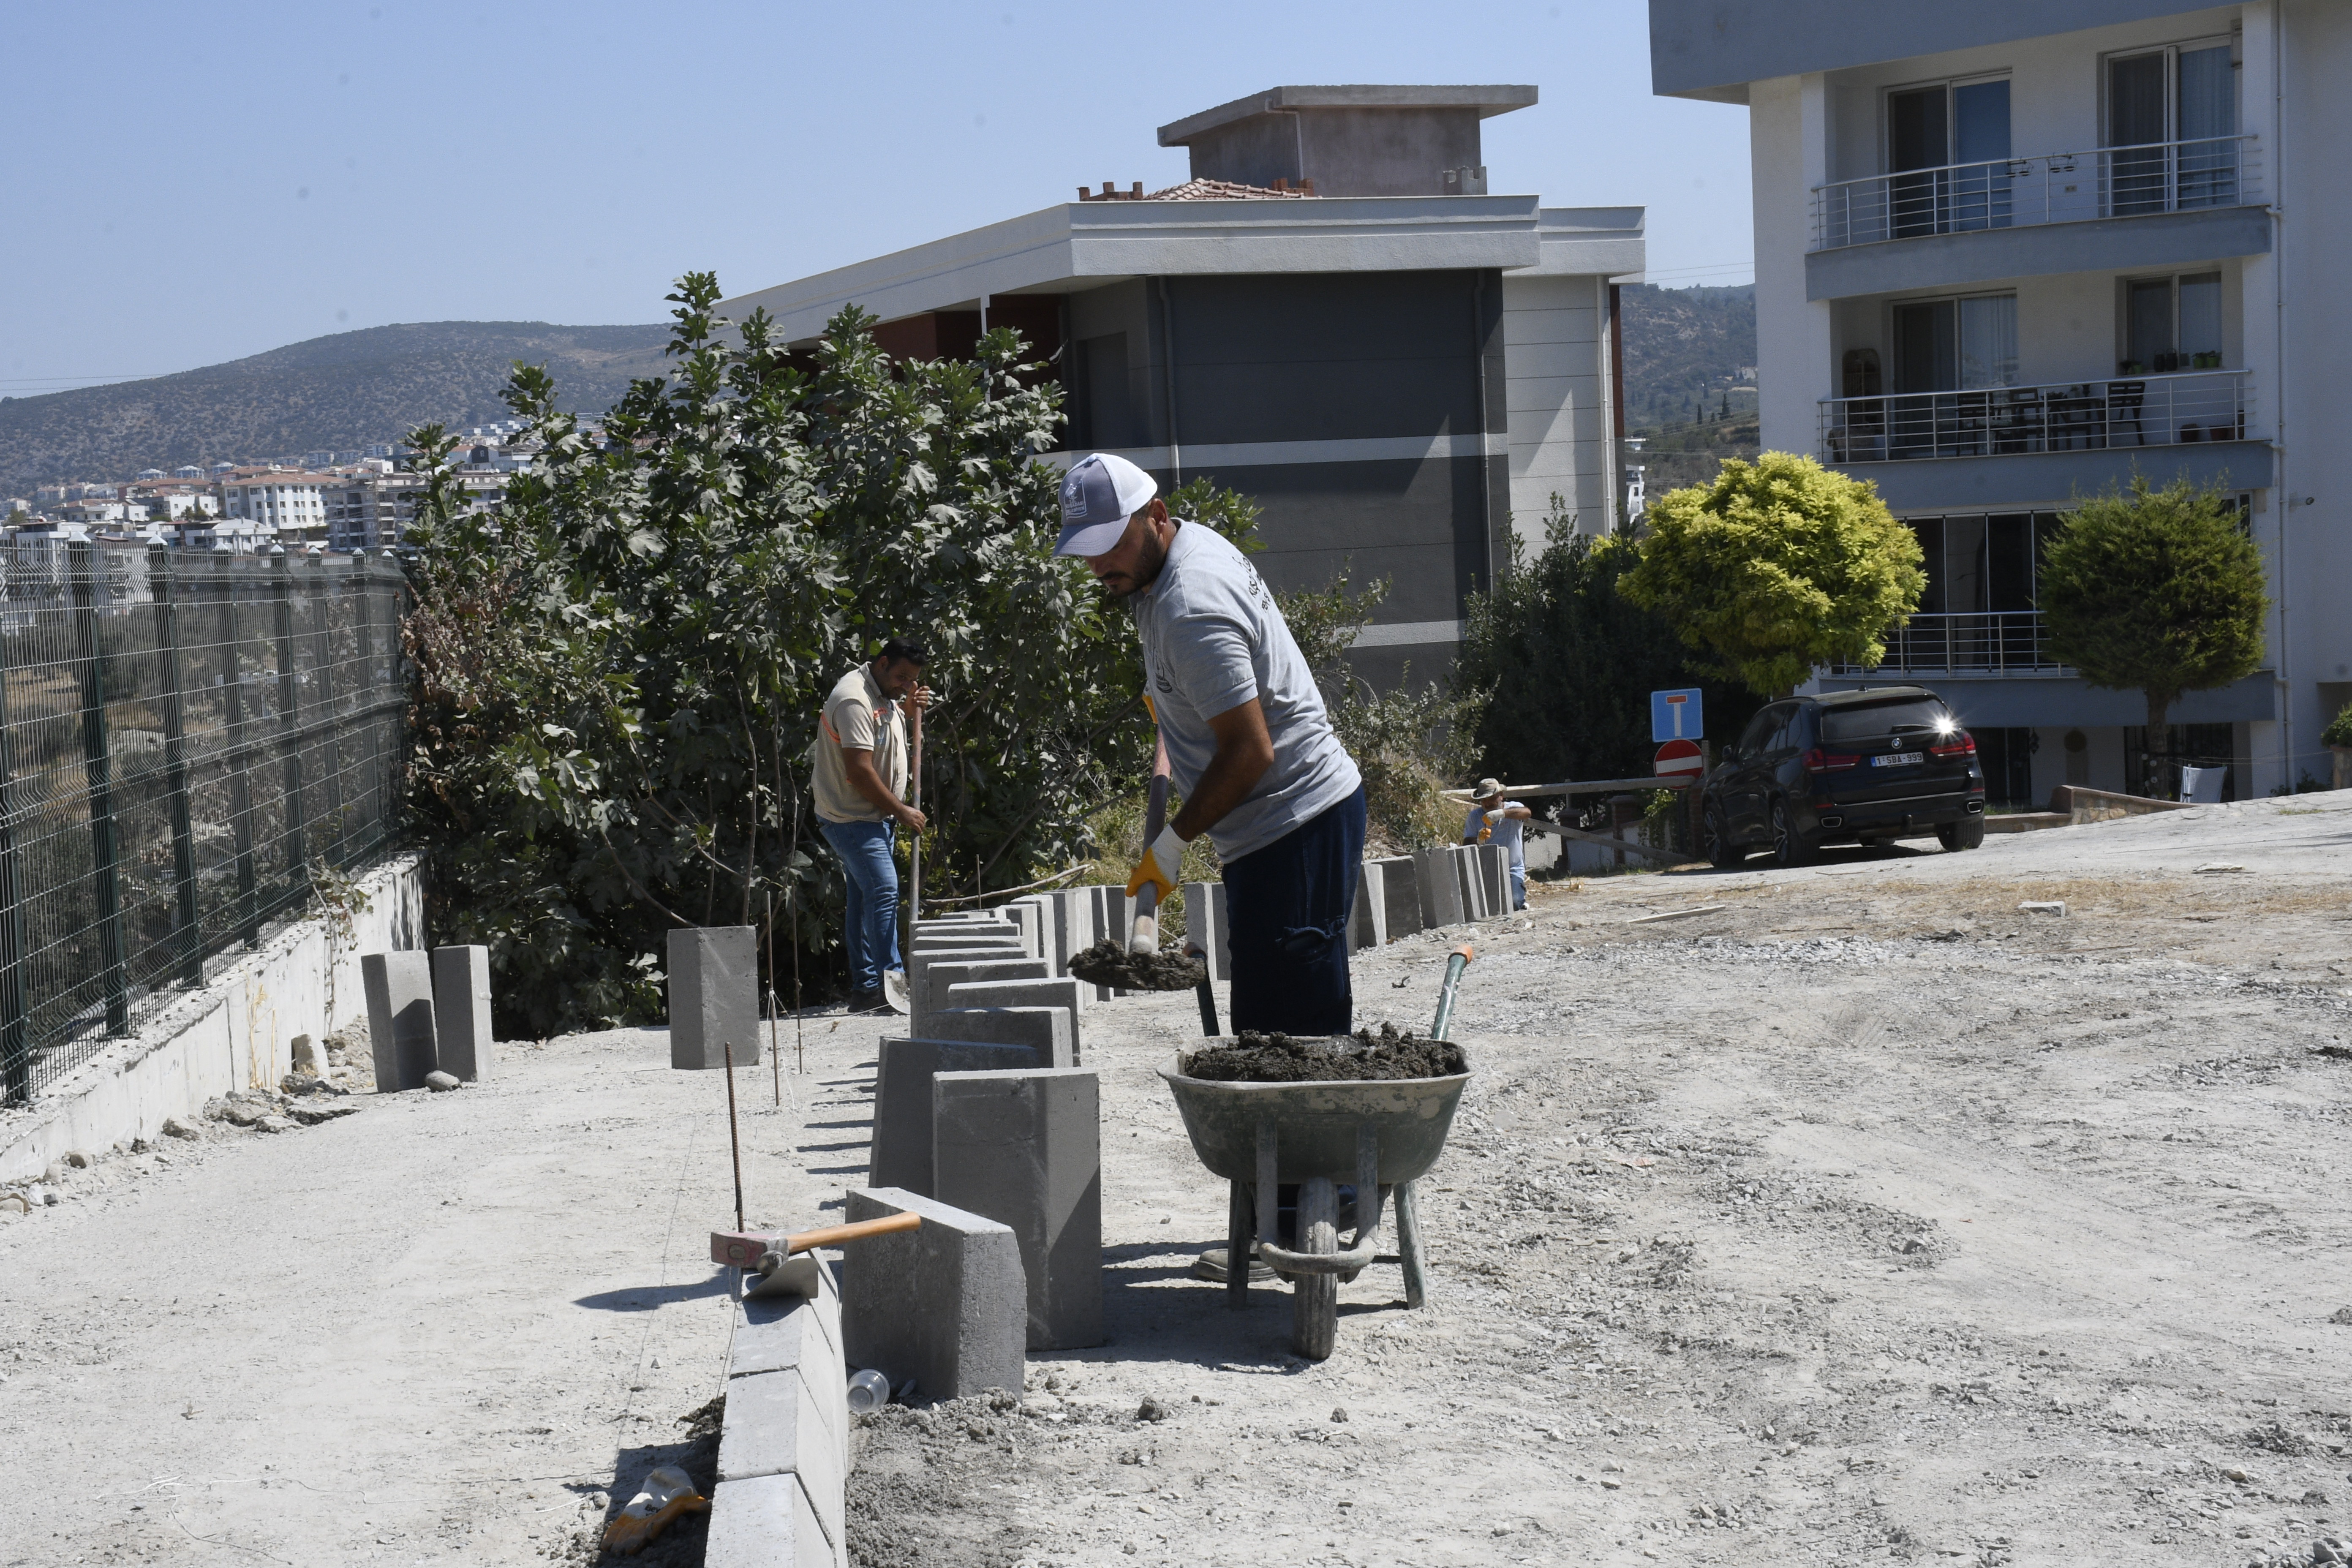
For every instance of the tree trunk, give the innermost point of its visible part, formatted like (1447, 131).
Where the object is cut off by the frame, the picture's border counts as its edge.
(2158, 745)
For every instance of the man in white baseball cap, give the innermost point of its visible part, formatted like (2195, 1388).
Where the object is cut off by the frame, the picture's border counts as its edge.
(1250, 747)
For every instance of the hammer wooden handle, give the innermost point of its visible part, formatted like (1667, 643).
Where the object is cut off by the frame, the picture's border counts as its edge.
(834, 1236)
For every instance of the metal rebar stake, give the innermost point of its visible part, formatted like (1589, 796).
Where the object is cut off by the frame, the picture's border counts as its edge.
(734, 1139)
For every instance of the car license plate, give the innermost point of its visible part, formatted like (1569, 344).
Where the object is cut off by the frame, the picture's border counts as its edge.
(1898, 759)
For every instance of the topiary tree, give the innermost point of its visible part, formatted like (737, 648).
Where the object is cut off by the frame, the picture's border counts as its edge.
(1779, 566)
(2157, 591)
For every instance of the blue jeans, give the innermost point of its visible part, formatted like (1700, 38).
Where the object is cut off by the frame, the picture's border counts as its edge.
(873, 935)
(1289, 905)
(1519, 885)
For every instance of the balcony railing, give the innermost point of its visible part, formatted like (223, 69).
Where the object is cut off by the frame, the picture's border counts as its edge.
(1982, 642)
(2056, 187)
(2065, 417)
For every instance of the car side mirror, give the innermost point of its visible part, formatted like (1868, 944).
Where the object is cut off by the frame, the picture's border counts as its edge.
(1728, 754)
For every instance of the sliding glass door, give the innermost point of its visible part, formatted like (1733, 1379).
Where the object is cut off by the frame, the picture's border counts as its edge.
(1951, 356)
(1947, 148)
(2172, 127)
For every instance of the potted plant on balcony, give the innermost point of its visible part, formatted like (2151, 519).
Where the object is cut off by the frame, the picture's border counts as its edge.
(2339, 737)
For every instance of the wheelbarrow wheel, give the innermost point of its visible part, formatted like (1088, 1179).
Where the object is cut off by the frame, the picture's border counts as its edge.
(1315, 1301)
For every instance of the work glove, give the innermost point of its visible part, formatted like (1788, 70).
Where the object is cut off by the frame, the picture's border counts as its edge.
(1158, 866)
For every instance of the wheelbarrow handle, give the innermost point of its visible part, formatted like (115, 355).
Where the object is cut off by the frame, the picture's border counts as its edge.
(1455, 962)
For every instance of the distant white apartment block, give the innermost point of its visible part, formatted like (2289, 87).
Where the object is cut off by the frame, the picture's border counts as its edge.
(290, 503)
(1999, 267)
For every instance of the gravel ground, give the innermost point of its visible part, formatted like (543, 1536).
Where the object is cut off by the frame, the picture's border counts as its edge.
(1857, 1218)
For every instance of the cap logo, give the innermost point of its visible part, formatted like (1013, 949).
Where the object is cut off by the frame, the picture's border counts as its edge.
(1074, 496)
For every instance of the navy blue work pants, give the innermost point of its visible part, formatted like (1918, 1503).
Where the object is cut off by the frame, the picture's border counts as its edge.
(1287, 905)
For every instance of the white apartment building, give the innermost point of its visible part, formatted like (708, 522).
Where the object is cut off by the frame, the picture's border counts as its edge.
(290, 503)
(1998, 267)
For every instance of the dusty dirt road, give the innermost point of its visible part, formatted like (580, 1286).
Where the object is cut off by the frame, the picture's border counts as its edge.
(1862, 1219)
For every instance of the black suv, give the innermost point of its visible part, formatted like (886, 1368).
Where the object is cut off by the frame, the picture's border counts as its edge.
(1851, 767)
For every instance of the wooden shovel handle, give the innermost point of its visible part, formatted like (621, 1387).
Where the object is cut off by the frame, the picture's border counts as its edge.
(834, 1236)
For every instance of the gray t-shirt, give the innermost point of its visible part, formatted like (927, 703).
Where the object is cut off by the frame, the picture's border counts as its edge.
(1212, 639)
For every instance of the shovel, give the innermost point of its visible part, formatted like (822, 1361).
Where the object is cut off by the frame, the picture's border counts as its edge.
(1144, 937)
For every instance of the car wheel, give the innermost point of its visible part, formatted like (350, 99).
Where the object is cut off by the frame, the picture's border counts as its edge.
(1721, 852)
(1966, 834)
(1790, 847)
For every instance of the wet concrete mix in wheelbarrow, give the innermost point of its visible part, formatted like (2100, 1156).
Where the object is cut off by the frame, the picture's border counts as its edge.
(1279, 1058)
(1108, 963)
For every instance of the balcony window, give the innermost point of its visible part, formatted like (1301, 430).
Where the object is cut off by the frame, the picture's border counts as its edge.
(2172, 323)
(1947, 146)
(2172, 128)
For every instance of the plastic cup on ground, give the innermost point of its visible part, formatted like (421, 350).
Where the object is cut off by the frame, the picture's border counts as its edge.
(868, 1391)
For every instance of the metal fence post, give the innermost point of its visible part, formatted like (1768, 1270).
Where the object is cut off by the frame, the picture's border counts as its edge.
(289, 740)
(160, 583)
(240, 791)
(105, 878)
(336, 850)
(16, 1030)
(364, 624)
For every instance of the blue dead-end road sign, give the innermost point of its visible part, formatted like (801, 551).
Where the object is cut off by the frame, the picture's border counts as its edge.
(1676, 715)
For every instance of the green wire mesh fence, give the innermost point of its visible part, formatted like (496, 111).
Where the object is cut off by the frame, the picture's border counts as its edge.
(185, 735)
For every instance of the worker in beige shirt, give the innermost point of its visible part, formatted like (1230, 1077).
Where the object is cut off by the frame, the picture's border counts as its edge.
(859, 763)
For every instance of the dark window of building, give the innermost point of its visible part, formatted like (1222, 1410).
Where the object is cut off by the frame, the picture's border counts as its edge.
(1977, 562)
(2007, 757)
(1101, 397)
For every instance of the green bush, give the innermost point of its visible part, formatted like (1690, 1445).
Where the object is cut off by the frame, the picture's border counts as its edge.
(619, 670)
(2339, 729)
(1566, 664)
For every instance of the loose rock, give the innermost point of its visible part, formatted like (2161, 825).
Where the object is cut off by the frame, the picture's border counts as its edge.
(440, 1082)
(1150, 1410)
(175, 1128)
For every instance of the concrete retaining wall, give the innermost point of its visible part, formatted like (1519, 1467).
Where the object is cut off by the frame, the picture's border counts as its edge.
(236, 1033)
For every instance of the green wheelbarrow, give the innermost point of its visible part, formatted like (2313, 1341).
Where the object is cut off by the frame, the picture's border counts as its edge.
(1380, 1134)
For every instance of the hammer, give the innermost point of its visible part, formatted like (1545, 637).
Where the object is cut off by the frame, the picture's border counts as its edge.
(773, 1257)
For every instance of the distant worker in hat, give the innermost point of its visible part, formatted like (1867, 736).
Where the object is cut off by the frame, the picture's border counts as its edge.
(1495, 820)
(859, 763)
(1250, 747)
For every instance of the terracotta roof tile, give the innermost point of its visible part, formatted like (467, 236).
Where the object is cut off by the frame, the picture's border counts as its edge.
(1224, 191)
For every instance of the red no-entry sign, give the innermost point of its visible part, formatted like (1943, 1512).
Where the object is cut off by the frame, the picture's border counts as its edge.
(1678, 759)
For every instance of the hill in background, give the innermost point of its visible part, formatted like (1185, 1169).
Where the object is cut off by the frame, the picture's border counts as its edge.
(342, 392)
(1685, 348)
(1682, 348)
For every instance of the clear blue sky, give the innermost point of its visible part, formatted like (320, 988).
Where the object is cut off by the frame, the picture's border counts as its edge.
(192, 184)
